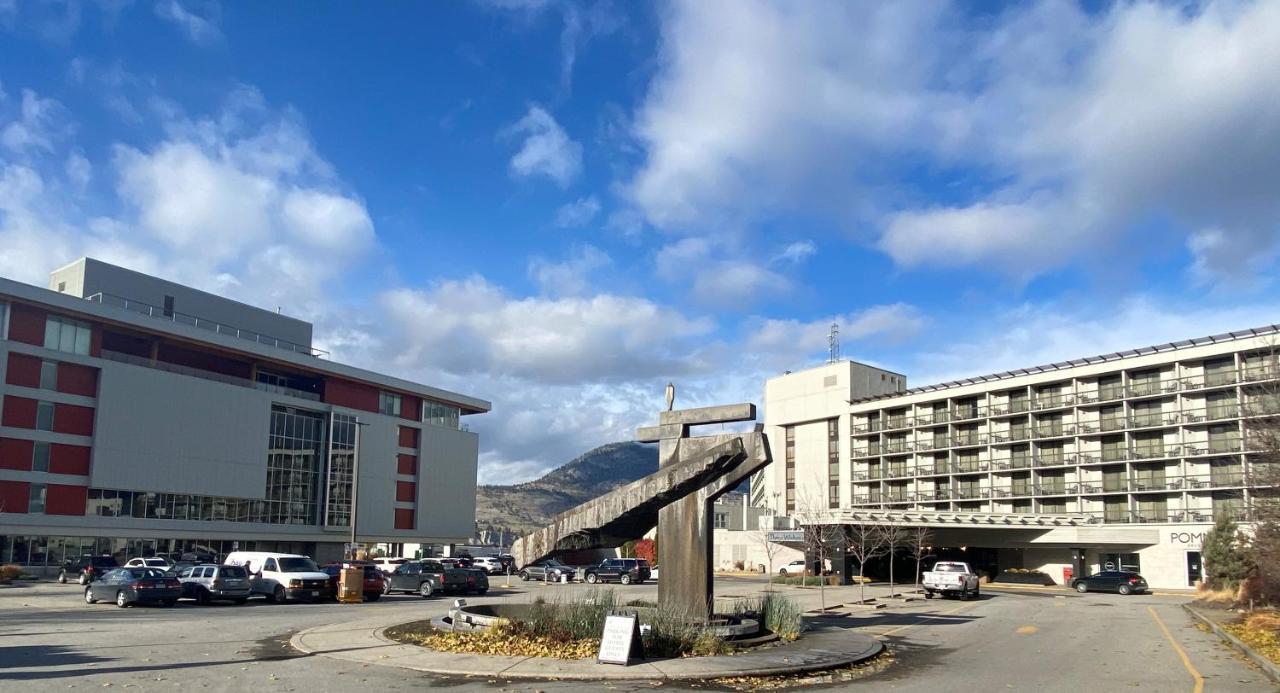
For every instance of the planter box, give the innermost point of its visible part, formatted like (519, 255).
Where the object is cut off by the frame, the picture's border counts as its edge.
(1025, 579)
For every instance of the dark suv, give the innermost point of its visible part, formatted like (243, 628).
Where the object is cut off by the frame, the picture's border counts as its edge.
(623, 570)
(86, 569)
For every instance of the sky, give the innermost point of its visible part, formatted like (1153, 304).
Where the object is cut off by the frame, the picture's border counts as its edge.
(562, 206)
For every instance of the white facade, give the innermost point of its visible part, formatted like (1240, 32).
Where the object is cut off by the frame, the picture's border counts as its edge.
(1144, 448)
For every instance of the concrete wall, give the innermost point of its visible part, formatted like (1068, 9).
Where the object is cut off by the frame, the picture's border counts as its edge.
(447, 483)
(158, 431)
(378, 446)
(87, 276)
(731, 546)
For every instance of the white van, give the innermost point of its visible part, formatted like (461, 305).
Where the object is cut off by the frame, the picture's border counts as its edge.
(282, 576)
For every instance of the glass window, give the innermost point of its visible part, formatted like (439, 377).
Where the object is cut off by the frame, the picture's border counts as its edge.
(438, 414)
(64, 334)
(389, 403)
(35, 505)
(40, 457)
(48, 375)
(44, 416)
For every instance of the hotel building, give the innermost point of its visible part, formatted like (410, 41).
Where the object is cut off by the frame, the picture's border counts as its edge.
(139, 416)
(1118, 461)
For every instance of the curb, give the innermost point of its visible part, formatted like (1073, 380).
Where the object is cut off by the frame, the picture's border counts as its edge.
(1263, 663)
(812, 659)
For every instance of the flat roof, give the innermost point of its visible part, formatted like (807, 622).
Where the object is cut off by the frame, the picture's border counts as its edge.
(65, 303)
(1086, 361)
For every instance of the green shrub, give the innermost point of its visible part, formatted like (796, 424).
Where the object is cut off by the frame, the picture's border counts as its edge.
(808, 581)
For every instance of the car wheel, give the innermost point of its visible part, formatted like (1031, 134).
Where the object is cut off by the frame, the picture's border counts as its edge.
(121, 600)
(88, 596)
(977, 592)
(625, 579)
(425, 590)
(278, 596)
(782, 572)
(386, 588)
(372, 596)
(524, 575)
(593, 578)
(202, 596)
(481, 592)
(62, 577)
(928, 594)
(83, 579)
(1124, 589)
(1081, 587)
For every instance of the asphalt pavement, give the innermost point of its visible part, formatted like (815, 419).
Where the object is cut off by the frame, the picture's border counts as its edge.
(1007, 640)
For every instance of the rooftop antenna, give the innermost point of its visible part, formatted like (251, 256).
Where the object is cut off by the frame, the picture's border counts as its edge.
(833, 343)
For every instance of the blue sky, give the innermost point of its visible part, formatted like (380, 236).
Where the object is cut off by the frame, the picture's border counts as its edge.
(561, 206)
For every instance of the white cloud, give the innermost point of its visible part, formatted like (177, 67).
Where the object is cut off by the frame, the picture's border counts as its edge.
(797, 252)
(79, 170)
(568, 278)
(198, 28)
(789, 344)
(578, 213)
(37, 126)
(716, 277)
(547, 149)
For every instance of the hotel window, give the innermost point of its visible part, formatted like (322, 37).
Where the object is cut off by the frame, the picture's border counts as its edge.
(1115, 510)
(389, 404)
(1057, 507)
(721, 521)
(35, 504)
(790, 465)
(1020, 456)
(1052, 453)
(1224, 438)
(1144, 383)
(1220, 371)
(1148, 445)
(1110, 387)
(67, 335)
(1221, 405)
(1148, 476)
(1153, 510)
(1018, 401)
(1111, 418)
(44, 416)
(40, 457)
(1113, 448)
(833, 463)
(438, 414)
(1113, 479)
(48, 375)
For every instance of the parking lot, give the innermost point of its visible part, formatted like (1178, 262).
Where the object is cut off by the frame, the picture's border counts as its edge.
(1007, 640)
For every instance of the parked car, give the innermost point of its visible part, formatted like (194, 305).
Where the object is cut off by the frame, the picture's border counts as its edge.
(797, 567)
(282, 576)
(374, 580)
(456, 561)
(389, 565)
(508, 562)
(428, 577)
(623, 570)
(128, 586)
(152, 562)
(950, 578)
(209, 582)
(86, 569)
(488, 564)
(546, 569)
(1122, 581)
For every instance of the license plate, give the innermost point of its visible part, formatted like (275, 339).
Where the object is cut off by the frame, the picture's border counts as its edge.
(315, 593)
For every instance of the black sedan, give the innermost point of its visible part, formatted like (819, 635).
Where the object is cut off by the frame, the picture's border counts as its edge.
(1122, 581)
(128, 586)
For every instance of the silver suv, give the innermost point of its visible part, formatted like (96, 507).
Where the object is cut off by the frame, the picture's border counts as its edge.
(205, 583)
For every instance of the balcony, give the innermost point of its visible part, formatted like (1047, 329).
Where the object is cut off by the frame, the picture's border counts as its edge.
(1144, 389)
(972, 493)
(1113, 424)
(970, 467)
(1251, 374)
(1056, 489)
(1152, 420)
(968, 440)
(896, 447)
(1054, 402)
(1049, 460)
(1156, 483)
(1114, 455)
(898, 422)
(1056, 431)
(1220, 378)
(964, 413)
(898, 472)
(1154, 452)
(935, 470)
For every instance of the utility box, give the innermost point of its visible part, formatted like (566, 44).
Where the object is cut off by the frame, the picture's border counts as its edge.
(351, 585)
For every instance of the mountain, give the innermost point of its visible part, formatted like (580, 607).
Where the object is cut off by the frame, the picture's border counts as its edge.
(522, 508)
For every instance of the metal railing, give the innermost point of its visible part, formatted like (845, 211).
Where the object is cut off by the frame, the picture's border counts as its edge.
(141, 308)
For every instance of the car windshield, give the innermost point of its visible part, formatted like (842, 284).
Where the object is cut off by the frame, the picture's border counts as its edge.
(231, 571)
(102, 561)
(297, 564)
(432, 565)
(146, 573)
(949, 568)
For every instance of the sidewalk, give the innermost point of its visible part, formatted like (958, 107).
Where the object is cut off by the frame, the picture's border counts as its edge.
(1215, 619)
(822, 648)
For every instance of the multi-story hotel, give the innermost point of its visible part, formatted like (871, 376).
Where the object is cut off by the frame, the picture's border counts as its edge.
(139, 416)
(1117, 461)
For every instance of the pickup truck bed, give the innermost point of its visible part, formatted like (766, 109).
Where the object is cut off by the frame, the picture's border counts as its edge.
(951, 578)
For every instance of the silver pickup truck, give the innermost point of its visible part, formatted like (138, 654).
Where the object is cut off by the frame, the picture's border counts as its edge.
(950, 578)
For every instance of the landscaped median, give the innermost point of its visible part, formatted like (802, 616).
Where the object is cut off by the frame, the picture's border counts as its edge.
(1255, 635)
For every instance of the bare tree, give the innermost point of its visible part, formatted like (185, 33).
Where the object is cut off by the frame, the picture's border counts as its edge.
(893, 537)
(1261, 414)
(918, 541)
(819, 535)
(864, 541)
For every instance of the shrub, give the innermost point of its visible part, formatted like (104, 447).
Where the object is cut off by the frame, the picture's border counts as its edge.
(1209, 595)
(9, 572)
(781, 615)
(808, 581)
(1226, 558)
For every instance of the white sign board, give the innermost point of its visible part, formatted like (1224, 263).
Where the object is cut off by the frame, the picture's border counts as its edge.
(620, 640)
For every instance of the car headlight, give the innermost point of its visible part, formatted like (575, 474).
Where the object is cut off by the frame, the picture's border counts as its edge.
(295, 583)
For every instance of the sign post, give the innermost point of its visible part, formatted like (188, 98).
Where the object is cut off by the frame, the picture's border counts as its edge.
(620, 642)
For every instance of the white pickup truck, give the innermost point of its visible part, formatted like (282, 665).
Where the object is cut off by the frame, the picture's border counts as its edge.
(951, 578)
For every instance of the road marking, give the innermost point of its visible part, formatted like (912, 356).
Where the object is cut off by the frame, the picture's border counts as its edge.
(932, 617)
(1186, 661)
(1027, 630)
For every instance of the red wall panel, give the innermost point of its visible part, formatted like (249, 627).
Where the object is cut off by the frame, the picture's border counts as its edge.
(345, 393)
(407, 465)
(408, 437)
(15, 454)
(75, 379)
(404, 518)
(23, 370)
(73, 419)
(95, 341)
(204, 360)
(410, 408)
(406, 492)
(69, 459)
(15, 494)
(26, 324)
(61, 499)
(19, 412)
